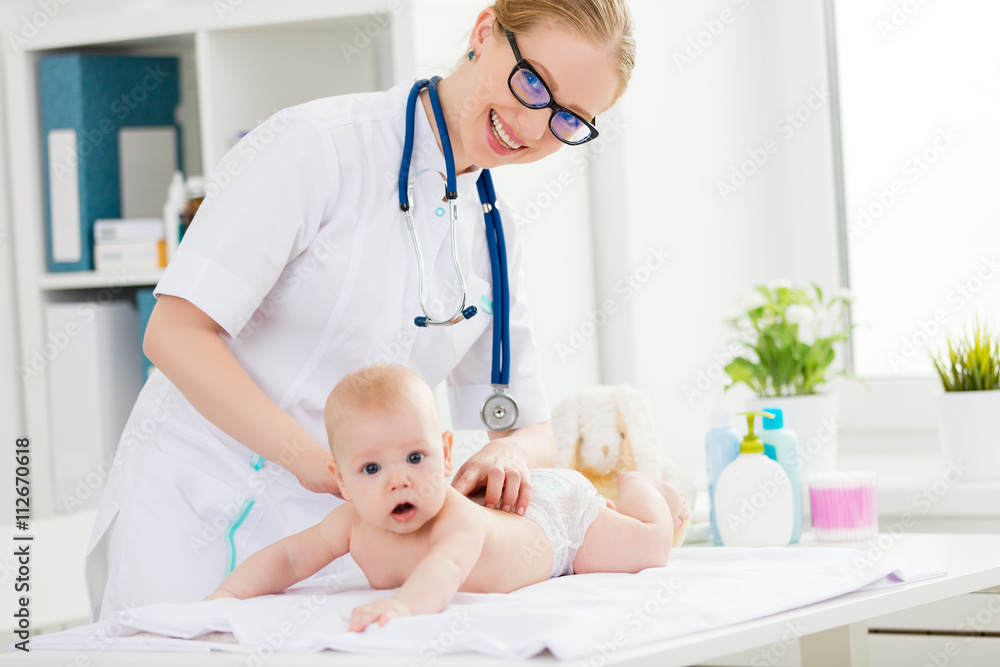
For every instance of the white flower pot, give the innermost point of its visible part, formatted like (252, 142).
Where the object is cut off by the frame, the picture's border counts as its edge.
(969, 424)
(814, 420)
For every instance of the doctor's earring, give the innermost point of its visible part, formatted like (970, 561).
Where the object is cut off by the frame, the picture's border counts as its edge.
(472, 55)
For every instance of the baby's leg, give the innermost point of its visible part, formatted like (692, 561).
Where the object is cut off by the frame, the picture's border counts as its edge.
(639, 534)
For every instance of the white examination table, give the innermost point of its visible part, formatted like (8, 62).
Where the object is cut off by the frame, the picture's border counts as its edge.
(832, 633)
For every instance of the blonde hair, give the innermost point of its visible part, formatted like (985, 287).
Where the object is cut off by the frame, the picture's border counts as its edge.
(380, 388)
(605, 23)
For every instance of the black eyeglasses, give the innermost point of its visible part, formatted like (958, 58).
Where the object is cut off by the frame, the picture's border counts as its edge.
(529, 89)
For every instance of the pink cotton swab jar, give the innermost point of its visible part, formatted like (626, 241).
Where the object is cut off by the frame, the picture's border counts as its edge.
(844, 505)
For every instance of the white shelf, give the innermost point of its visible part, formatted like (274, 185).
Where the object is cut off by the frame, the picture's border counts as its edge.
(126, 27)
(92, 279)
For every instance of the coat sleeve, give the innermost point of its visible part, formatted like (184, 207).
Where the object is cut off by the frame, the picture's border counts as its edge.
(264, 204)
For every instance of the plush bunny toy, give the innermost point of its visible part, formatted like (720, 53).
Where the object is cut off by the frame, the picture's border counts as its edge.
(606, 430)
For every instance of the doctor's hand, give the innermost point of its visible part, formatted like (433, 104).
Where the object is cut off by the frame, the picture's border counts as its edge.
(502, 467)
(312, 468)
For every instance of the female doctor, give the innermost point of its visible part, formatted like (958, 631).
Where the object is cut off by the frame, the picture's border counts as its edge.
(303, 268)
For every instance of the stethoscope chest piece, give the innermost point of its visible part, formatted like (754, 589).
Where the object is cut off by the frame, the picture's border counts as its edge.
(499, 411)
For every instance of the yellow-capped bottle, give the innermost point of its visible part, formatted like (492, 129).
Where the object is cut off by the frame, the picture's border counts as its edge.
(754, 500)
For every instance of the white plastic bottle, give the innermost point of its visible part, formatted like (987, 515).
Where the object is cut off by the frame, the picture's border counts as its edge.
(172, 210)
(722, 446)
(754, 501)
(782, 445)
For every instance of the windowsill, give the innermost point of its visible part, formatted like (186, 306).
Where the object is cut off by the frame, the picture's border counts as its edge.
(921, 484)
(915, 483)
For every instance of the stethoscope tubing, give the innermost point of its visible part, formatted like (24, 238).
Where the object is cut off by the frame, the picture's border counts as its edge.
(461, 313)
(500, 372)
(498, 265)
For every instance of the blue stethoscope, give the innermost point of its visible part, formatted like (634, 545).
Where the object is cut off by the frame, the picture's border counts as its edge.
(499, 411)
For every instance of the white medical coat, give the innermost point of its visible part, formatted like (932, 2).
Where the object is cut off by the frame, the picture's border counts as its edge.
(301, 254)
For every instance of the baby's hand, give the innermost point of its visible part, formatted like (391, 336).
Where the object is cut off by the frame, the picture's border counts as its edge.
(381, 611)
(219, 594)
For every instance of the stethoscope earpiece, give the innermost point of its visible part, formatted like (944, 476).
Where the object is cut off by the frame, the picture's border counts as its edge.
(466, 314)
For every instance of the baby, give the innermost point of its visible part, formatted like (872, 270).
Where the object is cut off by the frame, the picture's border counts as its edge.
(407, 528)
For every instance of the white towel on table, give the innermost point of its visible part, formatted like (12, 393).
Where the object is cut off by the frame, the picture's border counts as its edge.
(572, 616)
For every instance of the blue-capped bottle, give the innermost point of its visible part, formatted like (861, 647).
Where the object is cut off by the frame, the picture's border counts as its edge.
(782, 445)
(722, 446)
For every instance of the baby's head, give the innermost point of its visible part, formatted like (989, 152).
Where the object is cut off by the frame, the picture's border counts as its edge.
(392, 461)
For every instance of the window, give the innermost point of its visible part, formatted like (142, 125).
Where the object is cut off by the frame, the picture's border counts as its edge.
(919, 99)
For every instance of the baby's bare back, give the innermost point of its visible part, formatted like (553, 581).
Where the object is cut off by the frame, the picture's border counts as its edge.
(516, 553)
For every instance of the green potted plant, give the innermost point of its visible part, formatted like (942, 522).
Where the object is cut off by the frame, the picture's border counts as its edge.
(789, 335)
(969, 406)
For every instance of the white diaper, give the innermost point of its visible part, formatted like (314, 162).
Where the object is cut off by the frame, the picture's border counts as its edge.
(564, 503)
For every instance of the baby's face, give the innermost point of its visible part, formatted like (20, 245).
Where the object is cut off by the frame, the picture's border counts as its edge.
(394, 465)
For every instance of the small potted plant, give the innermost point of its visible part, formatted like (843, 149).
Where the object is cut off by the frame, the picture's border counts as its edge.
(969, 406)
(789, 335)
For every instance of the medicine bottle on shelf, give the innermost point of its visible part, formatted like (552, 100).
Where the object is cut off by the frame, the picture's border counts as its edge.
(196, 195)
(173, 212)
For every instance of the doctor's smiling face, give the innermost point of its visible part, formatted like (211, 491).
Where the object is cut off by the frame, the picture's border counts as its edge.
(392, 460)
(494, 126)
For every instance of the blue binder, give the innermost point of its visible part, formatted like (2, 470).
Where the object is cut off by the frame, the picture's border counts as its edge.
(145, 301)
(95, 96)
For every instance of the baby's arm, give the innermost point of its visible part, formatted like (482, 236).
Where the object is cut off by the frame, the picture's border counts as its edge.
(290, 560)
(456, 542)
